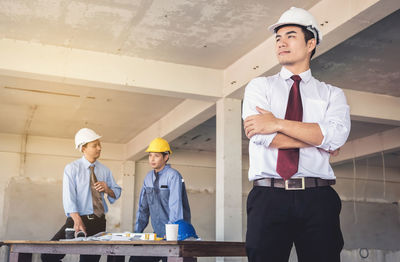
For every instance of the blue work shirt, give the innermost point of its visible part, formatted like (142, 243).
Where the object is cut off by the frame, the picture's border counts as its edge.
(166, 204)
(77, 195)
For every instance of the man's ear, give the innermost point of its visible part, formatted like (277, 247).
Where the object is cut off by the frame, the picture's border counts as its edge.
(166, 157)
(311, 44)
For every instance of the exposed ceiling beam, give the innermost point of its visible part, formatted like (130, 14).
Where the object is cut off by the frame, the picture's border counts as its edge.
(95, 69)
(373, 108)
(341, 19)
(187, 115)
(379, 142)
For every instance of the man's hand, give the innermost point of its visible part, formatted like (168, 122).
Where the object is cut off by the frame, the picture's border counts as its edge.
(102, 186)
(263, 123)
(80, 226)
(78, 223)
(332, 153)
(267, 123)
(335, 152)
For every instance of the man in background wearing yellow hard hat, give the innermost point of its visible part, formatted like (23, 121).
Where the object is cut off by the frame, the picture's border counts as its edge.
(85, 182)
(294, 122)
(163, 197)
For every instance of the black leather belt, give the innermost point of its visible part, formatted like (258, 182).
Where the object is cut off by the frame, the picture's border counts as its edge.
(92, 216)
(297, 183)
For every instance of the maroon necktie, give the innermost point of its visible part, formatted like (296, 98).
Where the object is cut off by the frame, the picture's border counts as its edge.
(288, 159)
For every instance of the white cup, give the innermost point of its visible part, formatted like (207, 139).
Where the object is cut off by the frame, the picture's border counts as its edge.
(171, 231)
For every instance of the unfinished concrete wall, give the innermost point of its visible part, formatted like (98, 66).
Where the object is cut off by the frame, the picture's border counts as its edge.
(370, 193)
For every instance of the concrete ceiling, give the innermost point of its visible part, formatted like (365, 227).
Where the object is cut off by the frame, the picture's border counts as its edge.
(369, 61)
(192, 39)
(58, 110)
(202, 32)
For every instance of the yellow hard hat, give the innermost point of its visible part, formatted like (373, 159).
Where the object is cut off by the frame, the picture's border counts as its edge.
(159, 145)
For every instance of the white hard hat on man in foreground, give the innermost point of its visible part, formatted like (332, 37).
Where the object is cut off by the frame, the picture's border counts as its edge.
(298, 16)
(84, 136)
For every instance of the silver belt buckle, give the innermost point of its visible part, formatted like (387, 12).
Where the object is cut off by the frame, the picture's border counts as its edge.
(296, 183)
(90, 217)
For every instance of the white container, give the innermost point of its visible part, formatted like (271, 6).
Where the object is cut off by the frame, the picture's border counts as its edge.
(171, 232)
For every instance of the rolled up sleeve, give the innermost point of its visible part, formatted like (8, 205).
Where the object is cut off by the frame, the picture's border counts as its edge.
(114, 187)
(256, 95)
(335, 126)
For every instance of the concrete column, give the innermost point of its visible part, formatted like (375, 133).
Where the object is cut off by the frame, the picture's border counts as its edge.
(128, 196)
(229, 170)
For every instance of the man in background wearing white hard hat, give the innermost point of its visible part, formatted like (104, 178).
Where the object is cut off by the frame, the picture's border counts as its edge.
(163, 197)
(85, 182)
(294, 122)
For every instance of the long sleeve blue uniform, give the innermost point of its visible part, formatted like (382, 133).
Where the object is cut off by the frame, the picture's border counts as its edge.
(165, 203)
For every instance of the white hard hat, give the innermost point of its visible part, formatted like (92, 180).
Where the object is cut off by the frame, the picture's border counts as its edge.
(84, 136)
(299, 16)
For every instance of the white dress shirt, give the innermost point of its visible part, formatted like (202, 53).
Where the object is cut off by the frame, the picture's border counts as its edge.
(322, 104)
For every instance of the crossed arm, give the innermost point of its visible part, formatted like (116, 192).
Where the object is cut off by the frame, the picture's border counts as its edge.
(290, 134)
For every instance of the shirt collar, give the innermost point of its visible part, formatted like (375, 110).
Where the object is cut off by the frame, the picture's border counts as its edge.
(166, 167)
(286, 74)
(86, 163)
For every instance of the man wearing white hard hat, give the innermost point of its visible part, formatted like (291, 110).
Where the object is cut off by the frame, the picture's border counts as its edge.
(86, 182)
(294, 123)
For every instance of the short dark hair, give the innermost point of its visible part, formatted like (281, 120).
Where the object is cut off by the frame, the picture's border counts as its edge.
(164, 154)
(307, 34)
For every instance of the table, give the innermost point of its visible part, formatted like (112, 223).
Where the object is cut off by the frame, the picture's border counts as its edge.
(176, 251)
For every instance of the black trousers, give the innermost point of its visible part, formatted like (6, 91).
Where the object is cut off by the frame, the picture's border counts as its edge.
(309, 219)
(93, 226)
